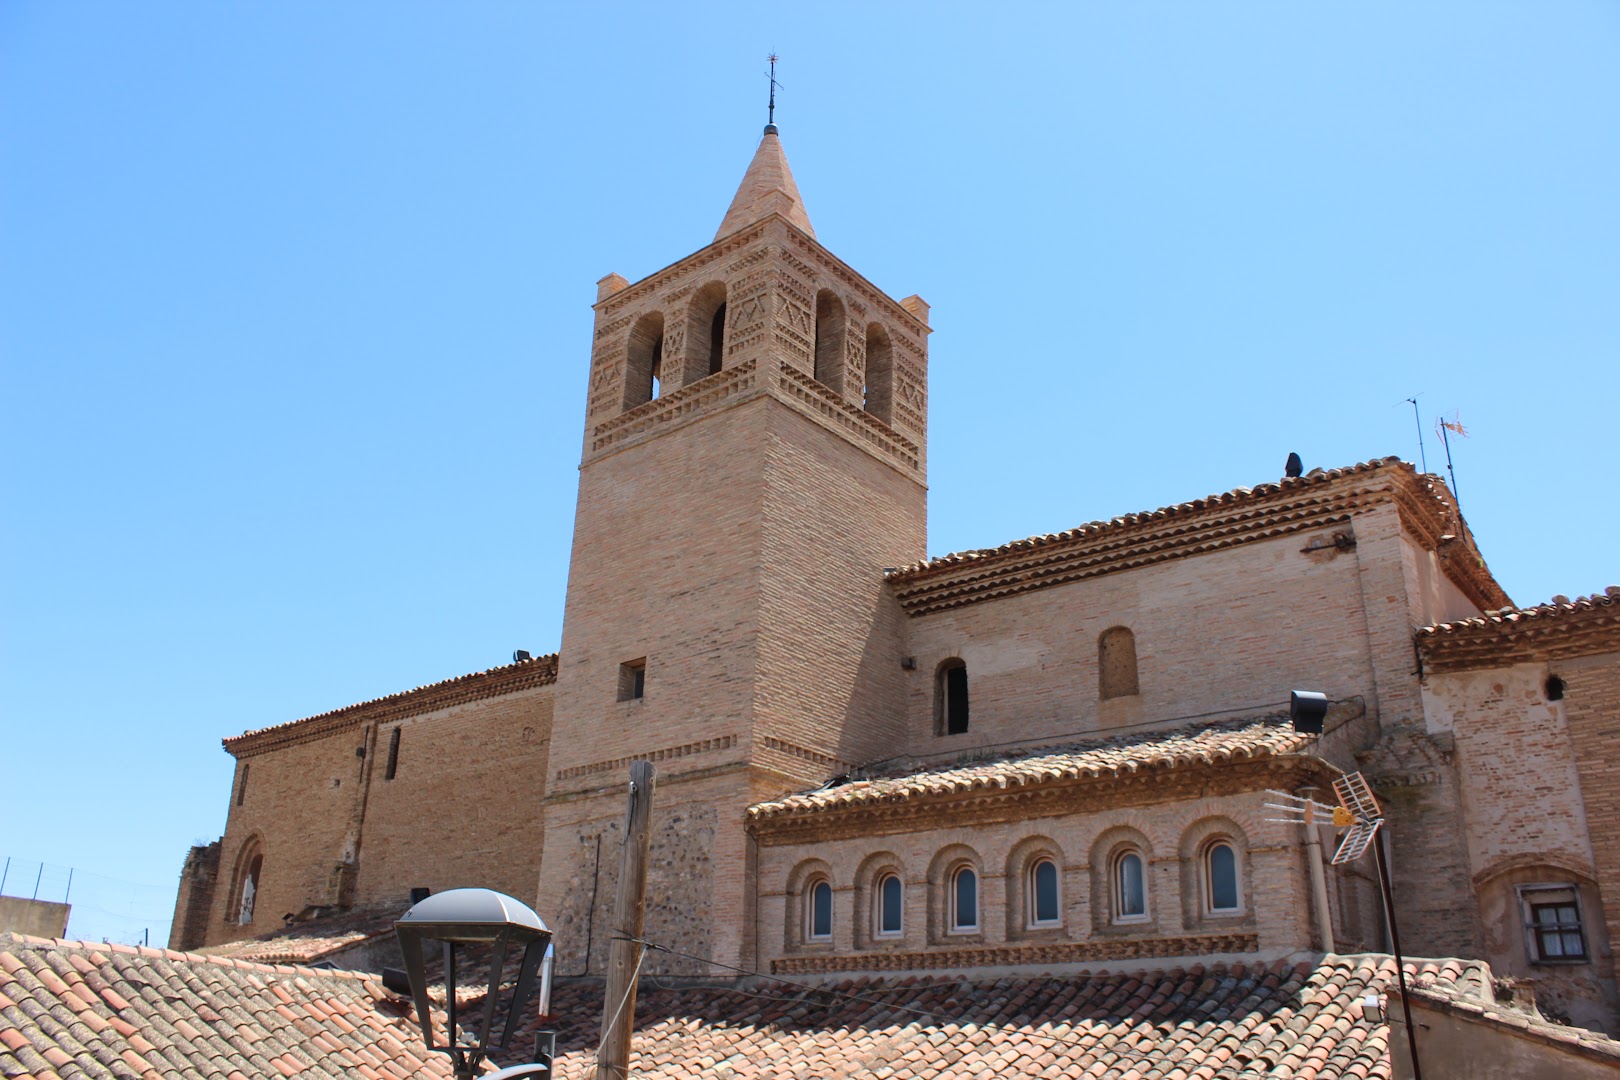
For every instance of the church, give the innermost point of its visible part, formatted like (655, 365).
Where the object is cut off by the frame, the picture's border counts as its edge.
(1038, 758)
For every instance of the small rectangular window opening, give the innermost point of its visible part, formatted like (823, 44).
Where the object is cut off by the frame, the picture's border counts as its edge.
(633, 679)
(1553, 924)
(393, 754)
(241, 787)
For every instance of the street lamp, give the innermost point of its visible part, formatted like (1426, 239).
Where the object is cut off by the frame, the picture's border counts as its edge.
(459, 917)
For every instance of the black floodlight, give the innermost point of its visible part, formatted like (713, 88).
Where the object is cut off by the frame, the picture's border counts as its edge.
(471, 917)
(1307, 709)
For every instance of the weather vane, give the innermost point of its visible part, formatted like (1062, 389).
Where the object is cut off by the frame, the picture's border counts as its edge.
(770, 123)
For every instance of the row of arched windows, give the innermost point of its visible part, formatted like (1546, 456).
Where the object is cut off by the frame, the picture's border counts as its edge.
(648, 371)
(1121, 888)
(1116, 677)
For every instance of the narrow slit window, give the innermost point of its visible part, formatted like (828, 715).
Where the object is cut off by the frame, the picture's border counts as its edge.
(890, 921)
(818, 913)
(241, 786)
(964, 901)
(1220, 872)
(717, 339)
(951, 698)
(1043, 894)
(393, 755)
(1130, 888)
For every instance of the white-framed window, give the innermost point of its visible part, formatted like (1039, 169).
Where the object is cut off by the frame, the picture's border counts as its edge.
(964, 901)
(1129, 876)
(888, 910)
(1041, 895)
(1553, 931)
(1222, 895)
(818, 910)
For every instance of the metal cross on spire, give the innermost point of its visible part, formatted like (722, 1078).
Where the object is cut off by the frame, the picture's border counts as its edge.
(770, 123)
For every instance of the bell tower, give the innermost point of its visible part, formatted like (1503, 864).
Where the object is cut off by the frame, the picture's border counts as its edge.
(754, 457)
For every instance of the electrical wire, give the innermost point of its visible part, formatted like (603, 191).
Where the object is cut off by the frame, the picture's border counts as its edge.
(629, 991)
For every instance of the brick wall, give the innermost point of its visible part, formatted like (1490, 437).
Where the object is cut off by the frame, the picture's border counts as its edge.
(1225, 631)
(1274, 917)
(195, 900)
(333, 831)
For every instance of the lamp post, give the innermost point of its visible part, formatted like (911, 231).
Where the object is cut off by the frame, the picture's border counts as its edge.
(461, 917)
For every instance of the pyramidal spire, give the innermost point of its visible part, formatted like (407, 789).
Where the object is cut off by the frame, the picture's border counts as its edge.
(767, 187)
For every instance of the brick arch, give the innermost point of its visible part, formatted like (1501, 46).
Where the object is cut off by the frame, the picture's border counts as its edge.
(705, 318)
(1196, 840)
(805, 873)
(831, 328)
(942, 870)
(248, 865)
(1106, 850)
(874, 866)
(1021, 860)
(644, 365)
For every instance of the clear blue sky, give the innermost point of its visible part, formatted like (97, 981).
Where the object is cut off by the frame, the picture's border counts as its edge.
(295, 315)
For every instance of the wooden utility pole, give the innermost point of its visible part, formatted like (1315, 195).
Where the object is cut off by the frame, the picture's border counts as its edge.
(629, 910)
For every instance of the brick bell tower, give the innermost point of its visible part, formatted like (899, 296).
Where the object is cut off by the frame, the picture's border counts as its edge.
(754, 457)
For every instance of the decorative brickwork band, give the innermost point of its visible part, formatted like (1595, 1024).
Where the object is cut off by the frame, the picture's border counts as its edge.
(725, 742)
(1068, 952)
(803, 753)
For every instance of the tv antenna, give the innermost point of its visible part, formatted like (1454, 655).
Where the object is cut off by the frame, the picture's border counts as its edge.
(1358, 812)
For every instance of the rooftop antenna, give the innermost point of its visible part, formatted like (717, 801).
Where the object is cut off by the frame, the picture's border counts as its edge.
(1453, 425)
(1423, 455)
(770, 124)
(1359, 813)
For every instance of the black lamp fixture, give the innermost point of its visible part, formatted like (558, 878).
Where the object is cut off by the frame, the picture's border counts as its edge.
(461, 917)
(1307, 709)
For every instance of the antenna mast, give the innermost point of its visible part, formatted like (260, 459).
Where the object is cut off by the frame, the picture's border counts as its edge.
(770, 121)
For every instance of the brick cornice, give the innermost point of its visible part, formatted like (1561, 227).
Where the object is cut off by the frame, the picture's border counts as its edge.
(496, 682)
(1560, 630)
(1242, 516)
(1047, 953)
(1144, 786)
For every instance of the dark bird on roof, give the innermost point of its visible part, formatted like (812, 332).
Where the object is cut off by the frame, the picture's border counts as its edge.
(1294, 467)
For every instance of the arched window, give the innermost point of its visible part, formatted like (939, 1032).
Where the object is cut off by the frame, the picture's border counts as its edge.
(249, 891)
(951, 698)
(964, 905)
(1220, 878)
(1041, 891)
(879, 373)
(705, 349)
(889, 918)
(818, 913)
(1130, 887)
(830, 340)
(1116, 662)
(644, 361)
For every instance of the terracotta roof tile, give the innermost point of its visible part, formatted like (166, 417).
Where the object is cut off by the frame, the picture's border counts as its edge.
(1282, 1019)
(1321, 499)
(507, 679)
(309, 942)
(1558, 629)
(1094, 759)
(151, 1024)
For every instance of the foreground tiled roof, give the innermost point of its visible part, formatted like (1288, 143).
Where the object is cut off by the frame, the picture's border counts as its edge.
(78, 1009)
(1097, 759)
(1322, 499)
(508, 679)
(306, 943)
(1279, 1020)
(1558, 629)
